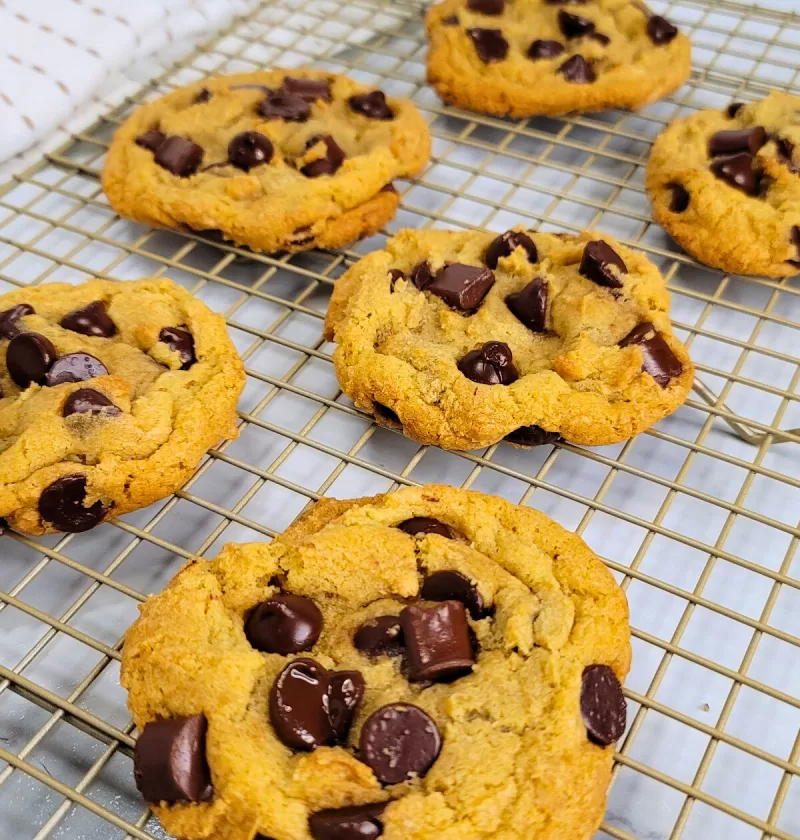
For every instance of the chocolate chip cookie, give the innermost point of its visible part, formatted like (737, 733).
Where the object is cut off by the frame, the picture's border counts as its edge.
(273, 160)
(110, 393)
(433, 663)
(726, 185)
(520, 58)
(464, 339)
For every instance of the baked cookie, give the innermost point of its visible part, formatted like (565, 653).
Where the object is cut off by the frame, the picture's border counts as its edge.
(432, 664)
(463, 339)
(275, 160)
(110, 393)
(726, 185)
(520, 58)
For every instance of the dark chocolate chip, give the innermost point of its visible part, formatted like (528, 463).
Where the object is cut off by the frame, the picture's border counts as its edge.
(426, 525)
(529, 305)
(9, 317)
(399, 742)
(284, 624)
(169, 761)
(596, 262)
(461, 286)
(577, 70)
(600, 38)
(181, 341)
(545, 49)
(505, 244)
(786, 154)
(794, 238)
(151, 139)
(89, 401)
(308, 89)
(61, 504)
(381, 636)
(203, 95)
(356, 822)
(28, 358)
(490, 44)
(737, 170)
(603, 705)
(179, 156)
(345, 692)
(92, 320)
(421, 275)
(574, 26)
(657, 358)
(285, 106)
(74, 367)
(532, 436)
(743, 140)
(490, 364)
(660, 30)
(733, 109)
(394, 275)
(249, 149)
(334, 157)
(451, 585)
(437, 641)
(487, 7)
(372, 105)
(680, 198)
(450, 20)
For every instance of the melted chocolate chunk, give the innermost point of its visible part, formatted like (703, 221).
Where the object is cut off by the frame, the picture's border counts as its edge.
(372, 105)
(532, 436)
(334, 157)
(450, 20)
(603, 706)
(61, 504)
(181, 341)
(399, 742)
(381, 636)
(91, 320)
(451, 585)
(577, 70)
(737, 170)
(461, 286)
(356, 822)
(426, 525)
(74, 367)
(89, 401)
(743, 140)
(203, 96)
(529, 304)
(437, 641)
(179, 156)
(487, 7)
(491, 364)
(9, 328)
(545, 49)
(657, 358)
(786, 154)
(490, 44)
(733, 109)
(249, 149)
(169, 761)
(151, 139)
(505, 244)
(596, 262)
(394, 275)
(309, 89)
(285, 106)
(574, 26)
(660, 30)
(28, 358)
(421, 276)
(284, 624)
(680, 198)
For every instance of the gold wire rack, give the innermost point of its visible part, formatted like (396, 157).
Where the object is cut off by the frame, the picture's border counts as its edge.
(698, 518)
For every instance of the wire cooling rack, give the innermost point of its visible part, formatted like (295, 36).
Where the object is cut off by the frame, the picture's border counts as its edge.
(698, 518)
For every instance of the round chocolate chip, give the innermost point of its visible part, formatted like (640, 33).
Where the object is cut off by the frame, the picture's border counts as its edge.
(91, 320)
(490, 364)
(545, 49)
(426, 525)
(372, 105)
(74, 367)
(680, 198)
(490, 45)
(422, 276)
(249, 149)
(61, 504)
(603, 705)
(8, 320)
(532, 436)
(284, 624)
(345, 690)
(577, 70)
(737, 170)
(574, 26)
(660, 30)
(505, 245)
(28, 358)
(181, 341)
(356, 822)
(89, 401)
(398, 742)
(381, 636)
(529, 304)
(451, 585)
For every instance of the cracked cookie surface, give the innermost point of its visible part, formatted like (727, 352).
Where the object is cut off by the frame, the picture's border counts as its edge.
(110, 393)
(466, 338)
(272, 160)
(520, 58)
(518, 743)
(725, 184)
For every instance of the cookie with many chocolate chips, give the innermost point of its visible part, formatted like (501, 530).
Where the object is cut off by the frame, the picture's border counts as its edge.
(272, 160)
(520, 58)
(466, 339)
(725, 184)
(463, 680)
(110, 394)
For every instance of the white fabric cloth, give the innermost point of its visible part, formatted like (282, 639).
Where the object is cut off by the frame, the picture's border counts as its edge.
(63, 62)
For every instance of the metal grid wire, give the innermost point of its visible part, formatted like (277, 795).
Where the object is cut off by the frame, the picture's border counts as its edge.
(698, 518)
